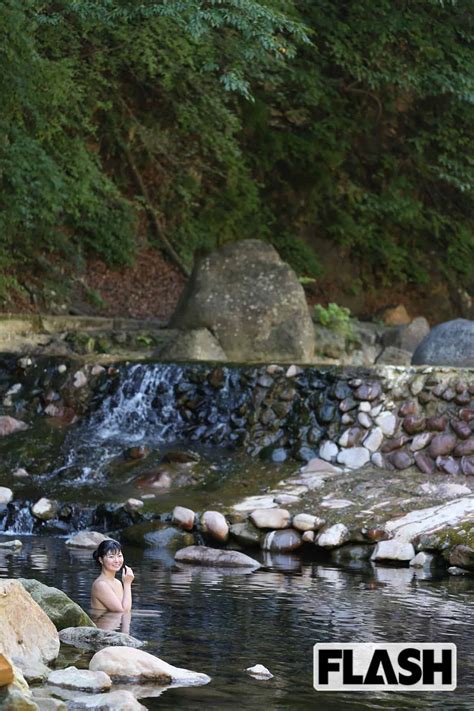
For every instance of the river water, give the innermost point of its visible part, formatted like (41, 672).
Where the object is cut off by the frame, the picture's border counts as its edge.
(221, 623)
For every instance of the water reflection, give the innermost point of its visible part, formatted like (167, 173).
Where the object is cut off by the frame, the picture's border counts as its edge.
(112, 621)
(221, 622)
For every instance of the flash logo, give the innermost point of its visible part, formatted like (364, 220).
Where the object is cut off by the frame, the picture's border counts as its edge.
(384, 667)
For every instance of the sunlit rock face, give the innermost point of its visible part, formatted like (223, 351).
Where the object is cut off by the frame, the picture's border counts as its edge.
(252, 302)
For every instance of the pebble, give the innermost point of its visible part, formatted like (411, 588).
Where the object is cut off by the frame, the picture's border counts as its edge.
(387, 423)
(373, 440)
(354, 457)
(333, 536)
(259, 672)
(328, 451)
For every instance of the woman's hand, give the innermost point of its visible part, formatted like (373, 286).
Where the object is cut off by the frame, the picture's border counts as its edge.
(127, 575)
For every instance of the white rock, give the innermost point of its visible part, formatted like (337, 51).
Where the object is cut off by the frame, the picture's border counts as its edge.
(330, 503)
(328, 451)
(24, 362)
(11, 545)
(333, 536)
(365, 406)
(273, 369)
(20, 473)
(378, 460)
(354, 457)
(293, 370)
(9, 425)
(431, 519)
(86, 539)
(6, 495)
(73, 678)
(214, 523)
(319, 466)
(387, 423)
(374, 439)
(62, 368)
(306, 522)
(259, 672)
(376, 410)
(97, 369)
(215, 557)
(183, 517)
(134, 505)
(308, 537)
(420, 441)
(393, 550)
(285, 499)
(271, 518)
(364, 420)
(44, 509)
(422, 560)
(122, 700)
(14, 389)
(253, 502)
(79, 379)
(130, 663)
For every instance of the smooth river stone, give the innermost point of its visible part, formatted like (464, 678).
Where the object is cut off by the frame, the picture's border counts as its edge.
(246, 534)
(81, 679)
(282, 541)
(135, 664)
(215, 524)
(270, 518)
(462, 556)
(44, 509)
(424, 463)
(117, 700)
(374, 439)
(413, 424)
(364, 420)
(9, 425)
(365, 406)
(86, 539)
(421, 441)
(183, 517)
(387, 423)
(390, 445)
(409, 407)
(401, 459)
(215, 557)
(465, 448)
(93, 638)
(467, 466)
(6, 495)
(442, 444)
(351, 437)
(449, 465)
(306, 522)
(354, 457)
(328, 451)
(438, 423)
(368, 391)
(461, 428)
(333, 536)
(393, 550)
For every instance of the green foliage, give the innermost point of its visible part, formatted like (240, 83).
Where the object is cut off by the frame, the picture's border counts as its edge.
(238, 126)
(336, 318)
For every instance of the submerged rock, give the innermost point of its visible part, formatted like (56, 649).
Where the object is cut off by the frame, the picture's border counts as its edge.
(93, 638)
(215, 557)
(117, 700)
(86, 539)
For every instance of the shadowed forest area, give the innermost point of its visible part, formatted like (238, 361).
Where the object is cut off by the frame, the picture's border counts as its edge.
(341, 132)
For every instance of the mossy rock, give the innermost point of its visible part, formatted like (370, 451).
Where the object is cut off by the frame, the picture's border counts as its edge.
(61, 610)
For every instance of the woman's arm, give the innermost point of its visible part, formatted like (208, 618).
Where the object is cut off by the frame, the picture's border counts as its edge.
(109, 599)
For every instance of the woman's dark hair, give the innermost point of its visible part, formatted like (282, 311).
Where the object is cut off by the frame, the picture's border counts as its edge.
(107, 546)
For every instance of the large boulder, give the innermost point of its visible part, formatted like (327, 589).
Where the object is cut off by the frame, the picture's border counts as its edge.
(408, 336)
(200, 555)
(61, 610)
(450, 343)
(197, 344)
(27, 635)
(252, 303)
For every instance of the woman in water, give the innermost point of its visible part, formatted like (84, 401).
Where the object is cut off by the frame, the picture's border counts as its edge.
(108, 593)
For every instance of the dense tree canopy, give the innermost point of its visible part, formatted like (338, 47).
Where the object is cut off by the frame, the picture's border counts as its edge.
(192, 123)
